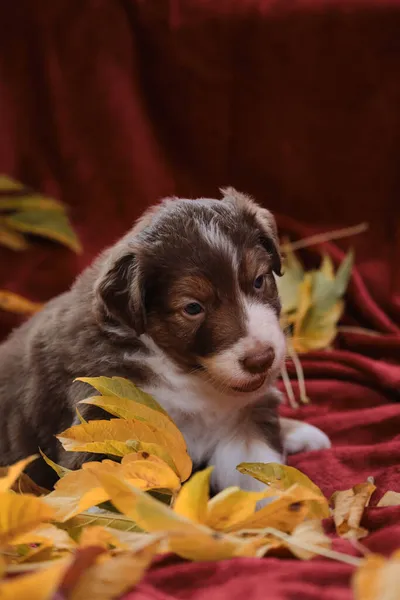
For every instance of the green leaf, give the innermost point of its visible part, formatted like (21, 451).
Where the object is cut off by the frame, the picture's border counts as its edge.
(120, 387)
(51, 224)
(97, 516)
(344, 273)
(30, 201)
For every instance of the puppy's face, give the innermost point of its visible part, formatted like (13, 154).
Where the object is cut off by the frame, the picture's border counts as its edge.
(200, 283)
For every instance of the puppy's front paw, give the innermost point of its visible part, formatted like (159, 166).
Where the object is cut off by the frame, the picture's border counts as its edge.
(305, 437)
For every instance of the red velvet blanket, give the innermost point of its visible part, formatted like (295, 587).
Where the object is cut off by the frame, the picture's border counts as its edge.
(112, 104)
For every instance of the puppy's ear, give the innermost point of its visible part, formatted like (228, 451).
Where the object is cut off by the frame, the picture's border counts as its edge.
(265, 222)
(119, 295)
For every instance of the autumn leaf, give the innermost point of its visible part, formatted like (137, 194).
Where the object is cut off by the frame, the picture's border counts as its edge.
(288, 284)
(9, 475)
(46, 534)
(283, 477)
(308, 533)
(101, 518)
(19, 513)
(118, 437)
(377, 578)
(40, 585)
(348, 509)
(110, 577)
(17, 304)
(389, 499)
(122, 388)
(193, 497)
(61, 471)
(8, 184)
(231, 506)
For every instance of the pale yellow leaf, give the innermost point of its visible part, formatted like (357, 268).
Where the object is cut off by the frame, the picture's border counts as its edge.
(193, 497)
(46, 534)
(19, 513)
(377, 578)
(309, 532)
(231, 506)
(390, 499)
(348, 509)
(119, 387)
(111, 578)
(11, 239)
(17, 304)
(8, 184)
(8, 476)
(29, 201)
(97, 535)
(283, 477)
(101, 517)
(40, 585)
(117, 436)
(285, 513)
(288, 284)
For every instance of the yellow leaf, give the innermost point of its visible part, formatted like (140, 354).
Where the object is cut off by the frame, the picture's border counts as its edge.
(74, 493)
(127, 409)
(104, 518)
(97, 535)
(8, 184)
(61, 471)
(51, 224)
(40, 585)
(285, 513)
(21, 513)
(231, 506)
(389, 499)
(193, 497)
(377, 578)
(46, 534)
(119, 387)
(11, 239)
(318, 330)
(111, 578)
(348, 508)
(186, 538)
(118, 437)
(8, 479)
(17, 304)
(288, 284)
(283, 477)
(29, 201)
(327, 268)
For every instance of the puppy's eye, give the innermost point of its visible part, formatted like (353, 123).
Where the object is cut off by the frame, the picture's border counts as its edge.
(259, 282)
(193, 309)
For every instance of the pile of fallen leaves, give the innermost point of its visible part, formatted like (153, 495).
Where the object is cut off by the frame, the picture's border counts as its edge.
(97, 532)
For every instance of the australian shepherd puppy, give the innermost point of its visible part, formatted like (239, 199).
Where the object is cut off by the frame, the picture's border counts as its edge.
(185, 305)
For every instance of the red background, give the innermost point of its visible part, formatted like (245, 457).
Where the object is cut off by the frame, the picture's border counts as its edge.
(109, 105)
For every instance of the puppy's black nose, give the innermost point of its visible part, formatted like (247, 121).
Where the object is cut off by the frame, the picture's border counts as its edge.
(259, 362)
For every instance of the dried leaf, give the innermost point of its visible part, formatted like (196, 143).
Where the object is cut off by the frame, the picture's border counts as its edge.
(119, 387)
(231, 506)
(9, 475)
(118, 437)
(40, 585)
(348, 508)
(17, 304)
(61, 471)
(309, 532)
(46, 534)
(21, 513)
(8, 184)
(127, 409)
(390, 499)
(114, 576)
(25, 485)
(377, 578)
(51, 224)
(285, 513)
(283, 477)
(187, 539)
(11, 239)
(193, 497)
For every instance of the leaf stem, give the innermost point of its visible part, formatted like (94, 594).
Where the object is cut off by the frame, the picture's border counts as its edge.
(320, 238)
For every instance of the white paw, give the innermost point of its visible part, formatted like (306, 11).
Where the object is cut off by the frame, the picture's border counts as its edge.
(305, 437)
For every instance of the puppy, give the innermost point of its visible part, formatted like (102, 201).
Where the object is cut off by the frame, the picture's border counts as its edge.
(186, 306)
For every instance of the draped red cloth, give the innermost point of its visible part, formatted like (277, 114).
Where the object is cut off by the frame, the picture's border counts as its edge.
(109, 105)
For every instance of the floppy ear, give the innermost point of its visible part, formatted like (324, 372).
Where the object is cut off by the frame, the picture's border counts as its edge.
(119, 294)
(265, 221)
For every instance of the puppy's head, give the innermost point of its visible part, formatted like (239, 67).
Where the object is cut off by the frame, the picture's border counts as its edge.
(197, 276)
